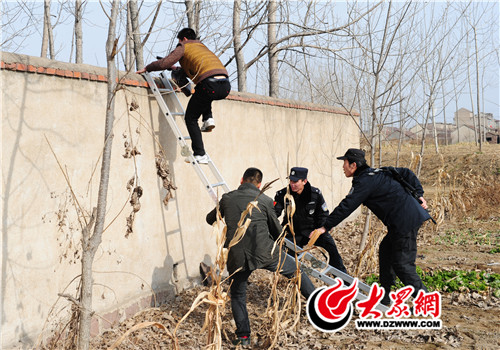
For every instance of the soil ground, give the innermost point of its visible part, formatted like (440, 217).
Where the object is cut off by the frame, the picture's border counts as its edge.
(463, 240)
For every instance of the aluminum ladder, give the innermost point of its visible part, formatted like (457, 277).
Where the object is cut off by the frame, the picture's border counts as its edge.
(315, 264)
(169, 113)
(321, 274)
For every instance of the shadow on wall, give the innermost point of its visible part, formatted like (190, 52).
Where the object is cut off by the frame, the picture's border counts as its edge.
(165, 279)
(10, 187)
(163, 283)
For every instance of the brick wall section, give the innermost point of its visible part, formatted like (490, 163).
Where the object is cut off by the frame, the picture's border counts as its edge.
(70, 74)
(64, 70)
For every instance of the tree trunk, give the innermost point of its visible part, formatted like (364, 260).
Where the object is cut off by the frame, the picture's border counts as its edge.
(457, 122)
(424, 134)
(470, 90)
(128, 62)
(46, 26)
(366, 230)
(193, 14)
(477, 93)
(136, 34)
(272, 54)
(91, 243)
(433, 111)
(401, 132)
(446, 141)
(238, 52)
(52, 53)
(78, 32)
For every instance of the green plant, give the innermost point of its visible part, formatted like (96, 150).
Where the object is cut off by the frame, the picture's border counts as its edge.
(495, 250)
(453, 281)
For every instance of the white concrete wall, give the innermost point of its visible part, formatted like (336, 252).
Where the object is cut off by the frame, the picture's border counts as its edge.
(41, 228)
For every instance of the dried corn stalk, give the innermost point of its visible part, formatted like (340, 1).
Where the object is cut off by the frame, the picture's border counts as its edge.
(216, 297)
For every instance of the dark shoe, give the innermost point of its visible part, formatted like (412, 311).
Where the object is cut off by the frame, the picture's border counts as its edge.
(385, 301)
(205, 274)
(243, 341)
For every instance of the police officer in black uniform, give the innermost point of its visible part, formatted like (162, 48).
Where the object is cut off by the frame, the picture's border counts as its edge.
(311, 212)
(395, 207)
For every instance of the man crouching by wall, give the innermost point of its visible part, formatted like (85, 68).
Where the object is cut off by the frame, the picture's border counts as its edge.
(254, 250)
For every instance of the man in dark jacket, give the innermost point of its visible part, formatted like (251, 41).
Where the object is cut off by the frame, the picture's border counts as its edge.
(395, 207)
(254, 250)
(205, 69)
(311, 212)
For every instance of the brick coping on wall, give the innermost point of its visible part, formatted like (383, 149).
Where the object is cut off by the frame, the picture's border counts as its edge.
(97, 74)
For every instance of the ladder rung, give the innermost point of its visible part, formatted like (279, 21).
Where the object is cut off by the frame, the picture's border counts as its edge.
(186, 137)
(177, 113)
(222, 183)
(164, 90)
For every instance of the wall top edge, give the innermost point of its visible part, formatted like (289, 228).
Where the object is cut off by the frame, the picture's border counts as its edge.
(40, 65)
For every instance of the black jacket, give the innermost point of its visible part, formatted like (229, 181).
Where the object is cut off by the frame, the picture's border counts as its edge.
(385, 197)
(311, 210)
(254, 250)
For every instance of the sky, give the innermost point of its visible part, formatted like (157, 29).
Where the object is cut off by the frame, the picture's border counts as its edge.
(95, 33)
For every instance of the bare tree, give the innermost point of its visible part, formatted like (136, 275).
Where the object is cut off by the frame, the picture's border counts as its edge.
(476, 52)
(78, 31)
(91, 242)
(19, 22)
(250, 13)
(439, 50)
(193, 10)
(272, 51)
(238, 52)
(136, 33)
(48, 36)
(128, 60)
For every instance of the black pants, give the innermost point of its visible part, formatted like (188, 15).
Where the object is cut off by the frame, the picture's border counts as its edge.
(239, 291)
(326, 242)
(397, 255)
(206, 91)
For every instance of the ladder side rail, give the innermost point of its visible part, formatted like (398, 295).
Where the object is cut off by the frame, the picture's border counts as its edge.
(328, 268)
(211, 164)
(165, 110)
(166, 82)
(203, 178)
(218, 175)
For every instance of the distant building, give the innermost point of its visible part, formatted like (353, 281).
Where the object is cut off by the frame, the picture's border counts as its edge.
(464, 133)
(461, 130)
(489, 126)
(463, 117)
(395, 134)
(443, 132)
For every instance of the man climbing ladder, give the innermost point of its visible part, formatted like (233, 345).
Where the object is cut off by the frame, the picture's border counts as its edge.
(205, 69)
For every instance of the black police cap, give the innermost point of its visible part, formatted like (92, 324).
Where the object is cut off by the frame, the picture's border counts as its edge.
(298, 173)
(353, 154)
